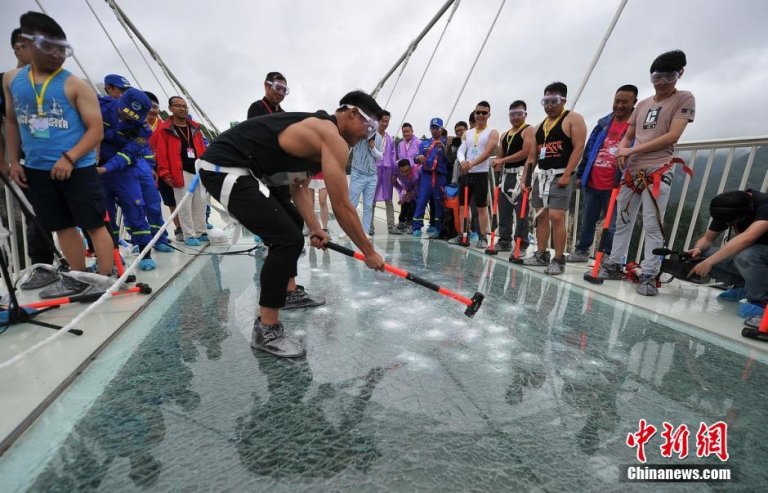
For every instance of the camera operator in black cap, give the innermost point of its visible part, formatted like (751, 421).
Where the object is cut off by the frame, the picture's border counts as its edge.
(743, 260)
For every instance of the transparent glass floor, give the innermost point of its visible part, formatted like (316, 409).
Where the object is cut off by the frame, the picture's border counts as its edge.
(399, 390)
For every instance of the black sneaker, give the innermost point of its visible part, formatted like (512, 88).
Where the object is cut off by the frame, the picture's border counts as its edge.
(67, 286)
(612, 272)
(270, 339)
(40, 277)
(301, 299)
(504, 246)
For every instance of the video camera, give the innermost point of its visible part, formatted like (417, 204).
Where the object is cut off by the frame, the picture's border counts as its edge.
(679, 264)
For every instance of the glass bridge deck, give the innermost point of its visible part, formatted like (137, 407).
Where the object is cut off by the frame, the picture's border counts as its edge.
(398, 392)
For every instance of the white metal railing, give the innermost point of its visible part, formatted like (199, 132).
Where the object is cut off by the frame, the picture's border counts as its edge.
(719, 164)
(712, 162)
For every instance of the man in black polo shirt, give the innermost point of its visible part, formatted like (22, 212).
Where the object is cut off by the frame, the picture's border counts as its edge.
(743, 261)
(275, 90)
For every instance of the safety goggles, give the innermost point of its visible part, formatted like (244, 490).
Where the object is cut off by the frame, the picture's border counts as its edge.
(666, 77)
(552, 100)
(371, 124)
(50, 46)
(279, 87)
(517, 113)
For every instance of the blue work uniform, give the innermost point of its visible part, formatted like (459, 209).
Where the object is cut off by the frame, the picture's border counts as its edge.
(432, 181)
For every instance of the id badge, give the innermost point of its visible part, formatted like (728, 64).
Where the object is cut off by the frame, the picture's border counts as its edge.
(473, 152)
(39, 127)
(191, 153)
(543, 153)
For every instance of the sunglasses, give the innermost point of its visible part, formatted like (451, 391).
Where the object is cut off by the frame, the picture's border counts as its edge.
(552, 100)
(50, 46)
(481, 113)
(279, 87)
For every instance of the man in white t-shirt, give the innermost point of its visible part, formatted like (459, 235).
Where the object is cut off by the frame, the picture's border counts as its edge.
(478, 146)
(655, 126)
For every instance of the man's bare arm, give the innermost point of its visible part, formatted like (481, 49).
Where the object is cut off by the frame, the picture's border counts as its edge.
(676, 129)
(313, 138)
(12, 136)
(493, 141)
(578, 137)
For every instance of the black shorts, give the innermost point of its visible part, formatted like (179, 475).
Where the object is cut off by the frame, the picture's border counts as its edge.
(78, 201)
(478, 188)
(166, 193)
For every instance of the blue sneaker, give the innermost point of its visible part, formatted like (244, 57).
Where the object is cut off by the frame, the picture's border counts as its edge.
(473, 236)
(208, 226)
(163, 247)
(417, 233)
(147, 264)
(733, 294)
(748, 310)
(192, 242)
(203, 237)
(430, 230)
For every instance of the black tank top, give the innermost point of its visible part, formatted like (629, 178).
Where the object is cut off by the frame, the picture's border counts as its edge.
(559, 146)
(254, 144)
(513, 145)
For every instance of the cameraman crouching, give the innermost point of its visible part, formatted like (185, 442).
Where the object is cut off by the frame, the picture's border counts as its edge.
(743, 260)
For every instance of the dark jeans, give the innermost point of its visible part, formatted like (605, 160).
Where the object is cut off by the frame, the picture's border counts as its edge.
(40, 248)
(509, 213)
(595, 203)
(748, 268)
(406, 212)
(276, 220)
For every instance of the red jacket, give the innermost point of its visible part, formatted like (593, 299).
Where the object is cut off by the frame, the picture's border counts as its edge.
(167, 146)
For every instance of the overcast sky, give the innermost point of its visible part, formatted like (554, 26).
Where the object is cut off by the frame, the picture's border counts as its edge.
(222, 50)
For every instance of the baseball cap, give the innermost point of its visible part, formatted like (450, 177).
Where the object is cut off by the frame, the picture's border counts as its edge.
(436, 122)
(134, 105)
(117, 80)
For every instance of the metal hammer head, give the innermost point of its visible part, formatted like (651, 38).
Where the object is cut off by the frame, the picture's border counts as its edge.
(477, 300)
(754, 334)
(593, 279)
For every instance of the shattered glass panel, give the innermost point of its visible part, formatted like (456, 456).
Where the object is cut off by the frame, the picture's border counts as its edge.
(399, 391)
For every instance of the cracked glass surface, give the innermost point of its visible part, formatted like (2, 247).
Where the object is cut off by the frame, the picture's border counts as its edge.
(400, 391)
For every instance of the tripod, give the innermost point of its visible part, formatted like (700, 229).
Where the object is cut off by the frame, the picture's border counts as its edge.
(16, 313)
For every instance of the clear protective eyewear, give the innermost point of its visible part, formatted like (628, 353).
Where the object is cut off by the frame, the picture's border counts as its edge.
(517, 113)
(666, 77)
(371, 124)
(552, 100)
(279, 87)
(50, 46)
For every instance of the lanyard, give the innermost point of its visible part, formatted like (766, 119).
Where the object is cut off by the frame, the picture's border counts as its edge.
(437, 154)
(266, 105)
(547, 130)
(187, 134)
(39, 97)
(407, 145)
(476, 136)
(511, 134)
